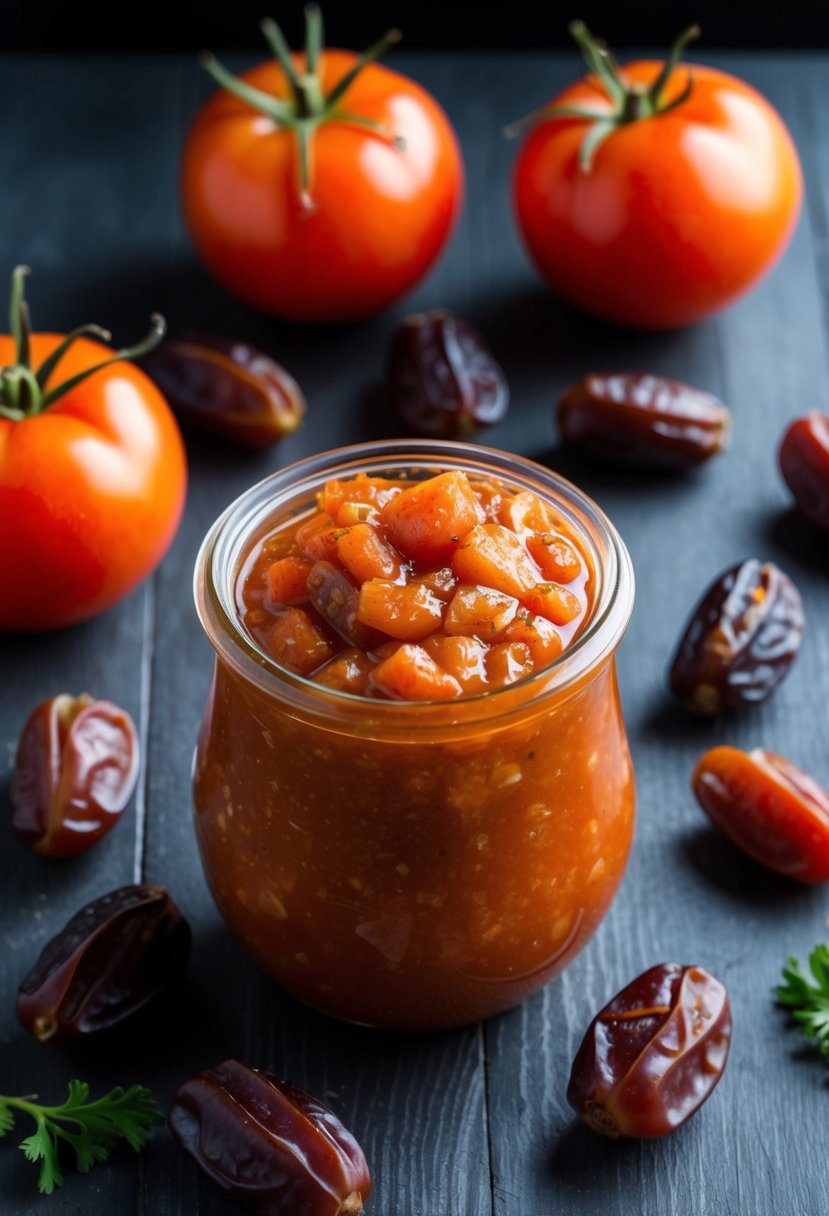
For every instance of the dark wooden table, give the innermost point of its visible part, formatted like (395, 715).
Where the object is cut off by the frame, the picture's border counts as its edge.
(474, 1122)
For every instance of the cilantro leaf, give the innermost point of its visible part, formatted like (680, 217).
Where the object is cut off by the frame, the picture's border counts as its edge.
(809, 1002)
(90, 1129)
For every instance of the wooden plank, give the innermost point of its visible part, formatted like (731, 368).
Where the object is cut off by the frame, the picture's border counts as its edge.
(687, 896)
(73, 208)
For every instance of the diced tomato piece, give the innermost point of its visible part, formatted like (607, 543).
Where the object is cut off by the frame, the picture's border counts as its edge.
(479, 612)
(288, 579)
(360, 489)
(348, 672)
(356, 513)
(366, 554)
(525, 512)
(297, 643)
(555, 603)
(441, 582)
(312, 525)
(464, 658)
(411, 674)
(492, 556)
(407, 611)
(321, 546)
(428, 520)
(508, 662)
(335, 598)
(555, 557)
(537, 634)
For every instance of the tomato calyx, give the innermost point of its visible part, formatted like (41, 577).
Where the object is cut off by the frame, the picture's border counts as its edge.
(308, 105)
(631, 102)
(24, 391)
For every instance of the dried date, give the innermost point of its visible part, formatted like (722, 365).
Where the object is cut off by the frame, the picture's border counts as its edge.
(804, 463)
(113, 957)
(228, 388)
(653, 1055)
(269, 1143)
(443, 380)
(642, 419)
(75, 772)
(336, 599)
(741, 640)
(767, 807)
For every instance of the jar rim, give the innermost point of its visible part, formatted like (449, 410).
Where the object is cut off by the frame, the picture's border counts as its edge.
(226, 543)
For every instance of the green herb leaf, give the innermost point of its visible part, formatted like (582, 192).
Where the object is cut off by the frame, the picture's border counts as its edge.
(808, 1002)
(90, 1129)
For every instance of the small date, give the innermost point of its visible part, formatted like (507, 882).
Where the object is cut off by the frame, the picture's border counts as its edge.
(443, 381)
(269, 1143)
(653, 1055)
(112, 958)
(642, 419)
(75, 772)
(228, 388)
(741, 640)
(767, 807)
(804, 463)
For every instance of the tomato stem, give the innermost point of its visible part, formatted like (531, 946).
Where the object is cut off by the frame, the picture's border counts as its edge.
(308, 106)
(24, 392)
(630, 102)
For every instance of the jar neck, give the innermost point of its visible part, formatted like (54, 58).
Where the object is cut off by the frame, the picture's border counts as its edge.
(292, 490)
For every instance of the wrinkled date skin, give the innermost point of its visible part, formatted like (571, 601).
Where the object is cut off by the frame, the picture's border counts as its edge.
(741, 640)
(645, 420)
(653, 1055)
(269, 1143)
(443, 381)
(75, 772)
(113, 957)
(767, 807)
(228, 388)
(804, 463)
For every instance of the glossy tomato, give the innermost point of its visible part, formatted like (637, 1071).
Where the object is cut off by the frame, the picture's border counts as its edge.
(320, 187)
(652, 195)
(92, 478)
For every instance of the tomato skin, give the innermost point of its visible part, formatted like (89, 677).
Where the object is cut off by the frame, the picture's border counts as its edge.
(380, 214)
(679, 214)
(91, 490)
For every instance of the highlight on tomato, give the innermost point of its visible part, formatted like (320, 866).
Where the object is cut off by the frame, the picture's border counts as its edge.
(319, 186)
(654, 194)
(92, 471)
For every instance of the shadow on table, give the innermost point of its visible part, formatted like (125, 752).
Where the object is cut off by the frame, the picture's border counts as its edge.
(799, 539)
(724, 865)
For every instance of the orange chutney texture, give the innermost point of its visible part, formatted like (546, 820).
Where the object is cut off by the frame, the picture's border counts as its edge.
(420, 878)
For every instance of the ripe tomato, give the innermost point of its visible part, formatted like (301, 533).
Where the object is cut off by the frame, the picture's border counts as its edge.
(677, 212)
(91, 487)
(318, 209)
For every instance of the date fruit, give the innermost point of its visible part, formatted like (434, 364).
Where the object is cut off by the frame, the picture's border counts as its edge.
(269, 1143)
(804, 463)
(642, 419)
(767, 807)
(113, 957)
(653, 1055)
(228, 388)
(76, 769)
(443, 380)
(741, 640)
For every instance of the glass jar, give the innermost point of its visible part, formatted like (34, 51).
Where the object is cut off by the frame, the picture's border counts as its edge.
(412, 865)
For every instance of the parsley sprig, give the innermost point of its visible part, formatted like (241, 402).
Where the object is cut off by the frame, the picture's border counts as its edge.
(91, 1129)
(809, 1003)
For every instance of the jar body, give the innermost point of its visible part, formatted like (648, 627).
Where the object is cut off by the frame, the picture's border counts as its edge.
(412, 865)
(413, 884)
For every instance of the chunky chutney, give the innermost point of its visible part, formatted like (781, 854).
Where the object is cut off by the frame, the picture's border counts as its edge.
(414, 799)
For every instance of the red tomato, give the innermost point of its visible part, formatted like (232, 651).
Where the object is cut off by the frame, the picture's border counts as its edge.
(91, 488)
(677, 215)
(371, 216)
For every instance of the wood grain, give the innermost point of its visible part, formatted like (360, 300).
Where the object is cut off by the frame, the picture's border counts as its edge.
(472, 1123)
